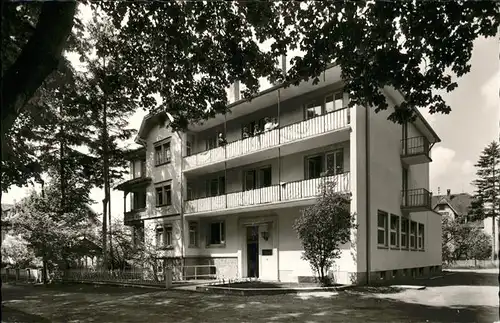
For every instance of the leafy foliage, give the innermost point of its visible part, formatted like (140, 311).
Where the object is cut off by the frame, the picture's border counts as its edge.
(189, 52)
(463, 240)
(16, 252)
(487, 195)
(323, 228)
(49, 232)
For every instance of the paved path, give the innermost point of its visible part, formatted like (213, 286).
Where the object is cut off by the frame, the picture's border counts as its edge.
(461, 297)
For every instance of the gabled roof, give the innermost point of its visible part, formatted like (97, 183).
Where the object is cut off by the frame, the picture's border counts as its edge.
(459, 203)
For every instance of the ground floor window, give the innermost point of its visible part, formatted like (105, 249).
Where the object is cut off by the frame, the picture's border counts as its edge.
(413, 234)
(382, 229)
(394, 230)
(164, 236)
(216, 234)
(193, 234)
(421, 229)
(405, 226)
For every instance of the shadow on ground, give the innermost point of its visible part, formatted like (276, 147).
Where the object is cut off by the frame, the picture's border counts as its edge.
(84, 303)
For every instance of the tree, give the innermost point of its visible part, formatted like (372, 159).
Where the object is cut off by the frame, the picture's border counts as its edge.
(189, 51)
(17, 253)
(486, 202)
(323, 228)
(463, 240)
(49, 232)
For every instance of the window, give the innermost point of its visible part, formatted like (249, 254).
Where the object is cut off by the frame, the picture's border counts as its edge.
(314, 167)
(313, 110)
(382, 228)
(216, 233)
(164, 195)
(331, 163)
(193, 234)
(441, 207)
(413, 234)
(215, 186)
(421, 229)
(159, 236)
(139, 200)
(164, 236)
(189, 192)
(335, 162)
(188, 148)
(394, 231)
(334, 102)
(252, 128)
(211, 142)
(250, 180)
(168, 236)
(162, 153)
(265, 177)
(404, 233)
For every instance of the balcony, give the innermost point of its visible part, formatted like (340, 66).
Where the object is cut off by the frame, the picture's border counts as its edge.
(298, 136)
(416, 200)
(415, 151)
(134, 215)
(134, 184)
(267, 197)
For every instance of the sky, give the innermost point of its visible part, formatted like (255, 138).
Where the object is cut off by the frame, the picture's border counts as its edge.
(472, 124)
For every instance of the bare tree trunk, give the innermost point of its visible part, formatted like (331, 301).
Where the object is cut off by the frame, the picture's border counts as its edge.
(61, 162)
(105, 158)
(110, 224)
(493, 244)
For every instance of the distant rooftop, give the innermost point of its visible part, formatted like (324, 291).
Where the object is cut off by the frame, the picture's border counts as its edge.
(459, 202)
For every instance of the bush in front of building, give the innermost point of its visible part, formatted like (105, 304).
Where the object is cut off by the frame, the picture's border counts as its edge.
(323, 228)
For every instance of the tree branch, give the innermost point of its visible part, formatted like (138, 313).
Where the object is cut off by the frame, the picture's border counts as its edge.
(37, 60)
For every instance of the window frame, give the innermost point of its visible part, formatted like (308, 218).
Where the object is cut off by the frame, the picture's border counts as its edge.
(208, 186)
(315, 104)
(414, 235)
(395, 232)
(166, 198)
(333, 95)
(324, 163)
(160, 236)
(405, 233)
(306, 165)
(193, 233)
(222, 233)
(168, 239)
(421, 236)
(162, 156)
(383, 228)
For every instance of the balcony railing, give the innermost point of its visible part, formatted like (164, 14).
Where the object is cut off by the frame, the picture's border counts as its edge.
(418, 199)
(290, 191)
(134, 215)
(297, 131)
(415, 150)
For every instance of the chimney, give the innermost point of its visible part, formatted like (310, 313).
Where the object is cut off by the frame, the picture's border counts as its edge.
(439, 190)
(448, 192)
(236, 90)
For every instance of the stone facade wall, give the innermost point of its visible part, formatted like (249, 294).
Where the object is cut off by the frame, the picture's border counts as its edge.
(225, 267)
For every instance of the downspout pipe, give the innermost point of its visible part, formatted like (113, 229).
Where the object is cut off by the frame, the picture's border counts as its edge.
(368, 197)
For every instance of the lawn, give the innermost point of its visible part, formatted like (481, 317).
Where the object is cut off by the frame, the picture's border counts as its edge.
(462, 297)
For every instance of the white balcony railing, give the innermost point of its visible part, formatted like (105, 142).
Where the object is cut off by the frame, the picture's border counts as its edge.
(297, 131)
(290, 191)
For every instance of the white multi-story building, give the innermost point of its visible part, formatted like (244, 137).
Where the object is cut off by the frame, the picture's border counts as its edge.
(232, 205)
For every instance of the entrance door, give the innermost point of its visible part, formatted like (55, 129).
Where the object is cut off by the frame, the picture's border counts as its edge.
(253, 251)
